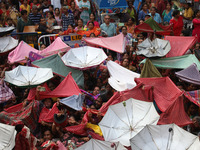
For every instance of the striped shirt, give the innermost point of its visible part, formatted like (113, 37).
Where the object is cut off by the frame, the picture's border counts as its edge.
(35, 18)
(67, 20)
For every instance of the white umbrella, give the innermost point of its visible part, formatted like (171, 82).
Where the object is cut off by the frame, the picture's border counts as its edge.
(101, 145)
(74, 101)
(121, 78)
(164, 137)
(84, 57)
(7, 43)
(124, 120)
(155, 48)
(7, 138)
(6, 30)
(28, 76)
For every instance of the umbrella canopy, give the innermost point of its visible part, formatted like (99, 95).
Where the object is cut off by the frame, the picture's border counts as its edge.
(164, 137)
(115, 43)
(74, 101)
(24, 76)
(155, 48)
(6, 30)
(179, 62)
(187, 76)
(121, 78)
(56, 64)
(101, 145)
(150, 25)
(180, 44)
(124, 120)
(7, 138)
(84, 57)
(7, 43)
(193, 96)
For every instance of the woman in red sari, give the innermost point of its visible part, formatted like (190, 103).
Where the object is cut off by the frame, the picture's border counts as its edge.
(196, 23)
(176, 22)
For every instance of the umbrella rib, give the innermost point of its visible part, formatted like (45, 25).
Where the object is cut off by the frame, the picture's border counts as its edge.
(152, 137)
(34, 76)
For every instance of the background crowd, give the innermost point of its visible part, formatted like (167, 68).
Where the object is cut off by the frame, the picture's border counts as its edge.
(80, 17)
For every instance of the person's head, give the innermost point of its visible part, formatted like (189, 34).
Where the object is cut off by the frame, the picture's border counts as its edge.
(196, 122)
(197, 13)
(125, 62)
(125, 56)
(140, 41)
(168, 6)
(45, 2)
(35, 1)
(9, 21)
(131, 21)
(124, 30)
(153, 11)
(80, 23)
(141, 21)
(42, 21)
(110, 57)
(24, 14)
(50, 14)
(130, 3)
(25, 2)
(193, 109)
(107, 19)
(187, 5)
(47, 135)
(48, 103)
(104, 73)
(92, 17)
(98, 102)
(70, 27)
(73, 5)
(92, 35)
(90, 25)
(197, 46)
(147, 17)
(51, 8)
(144, 6)
(96, 90)
(43, 46)
(34, 10)
(3, 5)
(65, 9)
(57, 11)
(176, 13)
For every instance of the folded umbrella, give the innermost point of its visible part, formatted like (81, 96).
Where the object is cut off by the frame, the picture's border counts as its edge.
(7, 44)
(24, 76)
(124, 120)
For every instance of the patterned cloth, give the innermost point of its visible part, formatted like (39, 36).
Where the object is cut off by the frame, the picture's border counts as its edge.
(28, 115)
(193, 96)
(67, 20)
(5, 92)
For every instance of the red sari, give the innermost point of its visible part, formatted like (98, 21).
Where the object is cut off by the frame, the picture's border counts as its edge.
(177, 25)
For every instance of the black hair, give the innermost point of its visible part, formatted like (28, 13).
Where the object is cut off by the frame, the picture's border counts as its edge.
(92, 34)
(56, 9)
(23, 12)
(175, 12)
(80, 19)
(124, 27)
(195, 12)
(91, 22)
(93, 15)
(51, 6)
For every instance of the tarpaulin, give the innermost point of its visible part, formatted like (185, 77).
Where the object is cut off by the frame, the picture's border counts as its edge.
(180, 44)
(23, 49)
(179, 62)
(58, 67)
(153, 27)
(190, 74)
(175, 114)
(140, 92)
(66, 88)
(149, 70)
(193, 96)
(115, 43)
(165, 92)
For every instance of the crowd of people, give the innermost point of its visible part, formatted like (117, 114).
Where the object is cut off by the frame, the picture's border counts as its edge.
(80, 17)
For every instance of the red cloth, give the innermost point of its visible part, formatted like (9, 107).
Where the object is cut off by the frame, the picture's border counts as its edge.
(49, 116)
(14, 108)
(66, 88)
(177, 25)
(180, 44)
(140, 92)
(165, 92)
(87, 33)
(43, 114)
(196, 30)
(32, 92)
(175, 114)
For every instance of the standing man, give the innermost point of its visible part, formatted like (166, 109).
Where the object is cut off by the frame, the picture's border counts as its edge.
(23, 21)
(154, 15)
(108, 28)
(35, 16)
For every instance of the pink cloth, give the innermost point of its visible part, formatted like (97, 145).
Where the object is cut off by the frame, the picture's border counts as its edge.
(180, 44)
(23, 50)
(115, 43)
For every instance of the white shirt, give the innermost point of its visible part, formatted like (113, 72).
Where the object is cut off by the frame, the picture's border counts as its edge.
(56, 3)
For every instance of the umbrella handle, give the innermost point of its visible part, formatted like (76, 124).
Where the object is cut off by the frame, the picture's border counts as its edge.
(113, 145)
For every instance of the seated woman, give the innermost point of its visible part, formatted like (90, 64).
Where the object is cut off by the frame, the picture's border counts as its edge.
(91, 29)
(80, 26)
(69, 30)
(92, 19)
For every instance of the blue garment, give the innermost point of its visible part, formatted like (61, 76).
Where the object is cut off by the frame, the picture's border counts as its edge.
(157, 17)
(167, 17)
(142, 14)
(110, 29)
(136, 3)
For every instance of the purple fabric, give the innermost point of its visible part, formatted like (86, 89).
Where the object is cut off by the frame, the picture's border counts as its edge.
(34, 56)
(190, 74)
(5, 92)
